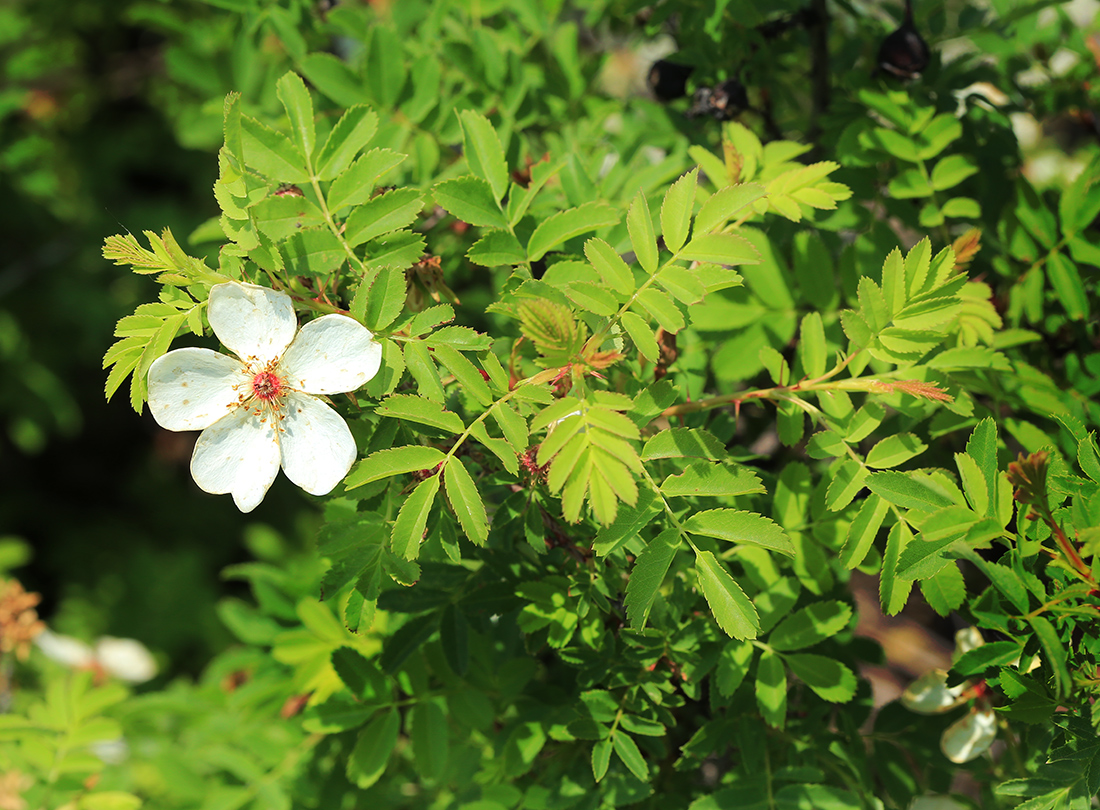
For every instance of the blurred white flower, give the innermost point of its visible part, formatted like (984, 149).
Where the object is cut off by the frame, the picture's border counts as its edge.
(971, 735)
(122, 658)
(260, 412)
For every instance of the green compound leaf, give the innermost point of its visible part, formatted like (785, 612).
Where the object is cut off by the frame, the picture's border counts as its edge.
(830, 679)
(648, 574)
(272, 153)
(771, 689)
(356, 185)
(294, 96)
(565, 225)
(393, 461)
(740, 527)
(810, 625)
(466, 501)
(639, 225)
(484, 154)
(642, 335)
(408, 529)
(676, 210)
(372, 750)
(627, 751)
(614, 272)
(733, 611)
(384, 214)
(471, 200)
(417, 409)
(352, 132)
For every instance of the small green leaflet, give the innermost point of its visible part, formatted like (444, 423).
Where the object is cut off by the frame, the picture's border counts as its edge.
(732, 610)
(393, 461)
(642, 237)
(648, 573)
(740, 527)
(466, 501)
(408, 529)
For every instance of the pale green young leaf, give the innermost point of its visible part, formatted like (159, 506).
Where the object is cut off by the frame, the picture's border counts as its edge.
(895, 450)
(736, 526)
(771, 689)
(367, 760)
(676, 210)
(827, 677)
(642, 335)
(612, 269)
(724, 204)
(684, 443)
(704, 478)
(419, 362)
(863, 530)
(572, 494)
(647, 575)
(408, 529)
(483, 151)
(864, 422)
(428, 319)
(565, 225)
(352, 132)
(560, 409)
(982, 447)
(639, 225)
(684, 285)
(812, 349)
(917, 264)
(412, 408)
(952, 170)
(893, 290)
(617, 475)
(393, 461)
(355, 185)
(662, 308)
(810, 625)
(465, 373)
(498, 447)
(271, 153)
(386, 298)
(893, 590)
(466, 501)
(294, 96)
(720, 248)
(563, 445)
(627, 751)
(732, 609)
(826, 444)
(601, 496)
(385, 213)
(471, 200)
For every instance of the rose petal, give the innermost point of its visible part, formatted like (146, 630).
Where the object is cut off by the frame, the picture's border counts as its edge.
(191, 389)
(125, 658)
(331, 355)
(240, 454)
(969, 737)
(318, 448)
(255, 323)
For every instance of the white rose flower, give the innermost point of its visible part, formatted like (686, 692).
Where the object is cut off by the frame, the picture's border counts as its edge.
(123, 658)
(260, 412)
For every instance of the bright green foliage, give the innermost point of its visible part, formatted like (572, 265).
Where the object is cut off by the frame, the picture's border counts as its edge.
(651, 392)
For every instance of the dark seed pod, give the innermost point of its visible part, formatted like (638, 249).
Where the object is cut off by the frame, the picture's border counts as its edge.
(904, 53)
(668, 80)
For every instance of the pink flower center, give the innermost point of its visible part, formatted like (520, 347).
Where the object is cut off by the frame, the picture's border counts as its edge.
(267, 386)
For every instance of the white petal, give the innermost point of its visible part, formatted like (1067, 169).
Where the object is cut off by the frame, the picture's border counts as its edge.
(64, 649)
(252, 321)
(331, 355)
(318, 448)
(970, 737)
(125, 658)
(238, 454)
(191, 389)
